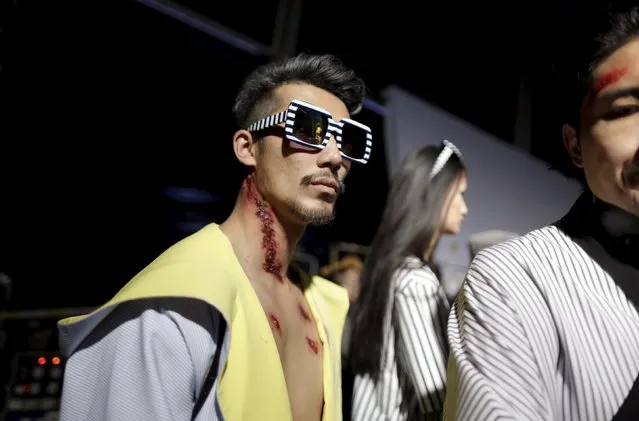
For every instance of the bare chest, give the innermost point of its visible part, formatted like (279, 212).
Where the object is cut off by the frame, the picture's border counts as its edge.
(300, 349)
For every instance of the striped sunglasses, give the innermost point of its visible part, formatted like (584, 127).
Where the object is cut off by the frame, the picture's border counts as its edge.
(311, 126)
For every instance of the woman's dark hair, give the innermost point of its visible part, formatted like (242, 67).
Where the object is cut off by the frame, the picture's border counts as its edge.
(410, 225)
(255, 99)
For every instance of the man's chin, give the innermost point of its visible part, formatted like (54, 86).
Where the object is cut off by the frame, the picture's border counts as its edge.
(321, 221)
(320, 216)
(316, 216)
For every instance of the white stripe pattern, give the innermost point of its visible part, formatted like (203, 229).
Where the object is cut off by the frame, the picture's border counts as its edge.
(540, 332)
(411, 384)
(267, 122)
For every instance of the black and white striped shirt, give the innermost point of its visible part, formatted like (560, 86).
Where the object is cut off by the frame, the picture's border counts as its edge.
(412, 381)
(540, 331)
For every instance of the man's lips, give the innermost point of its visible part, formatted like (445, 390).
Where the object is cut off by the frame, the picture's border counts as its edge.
(327, 183)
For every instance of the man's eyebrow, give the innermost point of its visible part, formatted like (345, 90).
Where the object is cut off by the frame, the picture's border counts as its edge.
(630, 92)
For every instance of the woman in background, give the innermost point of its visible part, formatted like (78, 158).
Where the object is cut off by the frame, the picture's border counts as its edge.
(397, 344)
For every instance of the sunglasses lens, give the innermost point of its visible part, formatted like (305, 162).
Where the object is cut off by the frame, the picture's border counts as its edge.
(355, 141)
(310, 126)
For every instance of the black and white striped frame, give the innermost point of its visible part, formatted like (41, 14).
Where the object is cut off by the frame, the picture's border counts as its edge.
(334, 128)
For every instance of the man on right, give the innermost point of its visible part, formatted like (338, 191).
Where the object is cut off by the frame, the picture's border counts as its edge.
(546, 326)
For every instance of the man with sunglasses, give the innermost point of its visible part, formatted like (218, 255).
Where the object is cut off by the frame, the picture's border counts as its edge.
(217, 327)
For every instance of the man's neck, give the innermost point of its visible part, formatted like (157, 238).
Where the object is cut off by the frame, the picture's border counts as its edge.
(262, 243)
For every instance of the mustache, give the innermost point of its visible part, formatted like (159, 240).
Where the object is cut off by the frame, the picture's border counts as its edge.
(631, 173)
(307, 180)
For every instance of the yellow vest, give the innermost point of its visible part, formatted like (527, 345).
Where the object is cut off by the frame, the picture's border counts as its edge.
(204, 266)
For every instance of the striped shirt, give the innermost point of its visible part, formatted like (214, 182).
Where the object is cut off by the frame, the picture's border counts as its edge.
(540, 331)
(412, 380)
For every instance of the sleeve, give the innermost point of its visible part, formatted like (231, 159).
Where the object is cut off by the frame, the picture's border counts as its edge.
(501, 346)
(137, 365)
(420, 310)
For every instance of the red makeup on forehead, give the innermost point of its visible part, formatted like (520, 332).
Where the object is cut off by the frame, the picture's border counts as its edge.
(608, 78)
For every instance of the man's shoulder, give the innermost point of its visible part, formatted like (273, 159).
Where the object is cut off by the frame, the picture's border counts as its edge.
(201, 267)
(193, 265)
(527, 248)
(208, 245)
(533, 258)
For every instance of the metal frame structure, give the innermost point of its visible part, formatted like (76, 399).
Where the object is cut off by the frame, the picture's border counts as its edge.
(285, 34)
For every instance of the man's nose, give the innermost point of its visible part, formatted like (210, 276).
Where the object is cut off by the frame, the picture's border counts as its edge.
(330, 156)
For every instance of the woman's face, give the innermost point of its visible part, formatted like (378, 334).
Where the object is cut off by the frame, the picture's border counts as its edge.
(455, 209)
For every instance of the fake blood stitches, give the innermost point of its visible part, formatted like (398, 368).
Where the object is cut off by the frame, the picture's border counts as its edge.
(275, 323)
(304, 313)
(608, 78)
(312, 344)
(269, 243)
(271, 264)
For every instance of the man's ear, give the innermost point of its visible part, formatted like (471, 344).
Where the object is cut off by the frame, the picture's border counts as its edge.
(244, 147)
(572, 144)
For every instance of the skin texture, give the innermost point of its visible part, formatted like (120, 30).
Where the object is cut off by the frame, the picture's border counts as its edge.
(606, 145)
(457, 209)
(453, 213)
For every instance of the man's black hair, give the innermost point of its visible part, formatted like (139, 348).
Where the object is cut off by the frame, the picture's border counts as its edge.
(256, 100)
